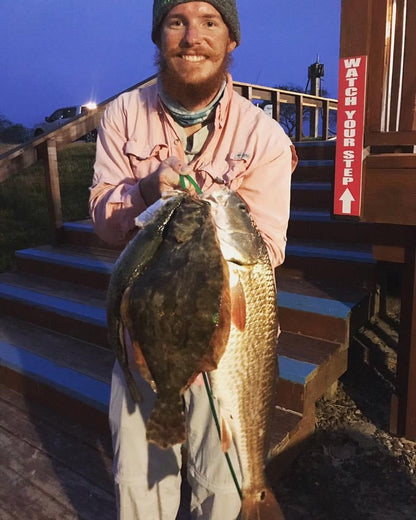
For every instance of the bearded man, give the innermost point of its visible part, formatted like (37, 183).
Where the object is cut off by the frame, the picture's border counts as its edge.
(193, 122)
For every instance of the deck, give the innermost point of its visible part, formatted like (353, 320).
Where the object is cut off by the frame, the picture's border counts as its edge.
(54, 468)
(50, 466)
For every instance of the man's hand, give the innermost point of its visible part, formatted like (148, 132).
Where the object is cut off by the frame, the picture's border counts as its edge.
(166, 178)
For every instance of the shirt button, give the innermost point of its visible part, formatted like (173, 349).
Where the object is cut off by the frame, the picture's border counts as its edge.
(177, 141)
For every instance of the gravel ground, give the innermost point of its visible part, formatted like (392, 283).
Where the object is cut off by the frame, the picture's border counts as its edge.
(352, 468)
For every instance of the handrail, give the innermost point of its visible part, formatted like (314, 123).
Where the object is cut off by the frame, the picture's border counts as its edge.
(46, 146)
(29, 153)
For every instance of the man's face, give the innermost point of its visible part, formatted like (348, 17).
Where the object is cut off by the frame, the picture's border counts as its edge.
(194, 43)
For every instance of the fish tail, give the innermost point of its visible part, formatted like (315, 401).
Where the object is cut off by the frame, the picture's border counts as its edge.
(261, 506)
(166, 425)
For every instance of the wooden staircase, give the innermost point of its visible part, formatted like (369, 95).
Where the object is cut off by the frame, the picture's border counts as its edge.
(53, 343)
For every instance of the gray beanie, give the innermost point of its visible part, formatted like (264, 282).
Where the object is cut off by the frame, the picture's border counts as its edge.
(227, 9)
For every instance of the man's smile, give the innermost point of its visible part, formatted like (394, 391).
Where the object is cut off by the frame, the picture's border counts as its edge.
(192, 57)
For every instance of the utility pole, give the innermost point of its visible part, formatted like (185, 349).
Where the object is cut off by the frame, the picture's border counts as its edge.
(315, 73)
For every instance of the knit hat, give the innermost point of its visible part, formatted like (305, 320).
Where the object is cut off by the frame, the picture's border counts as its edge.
(227, 9)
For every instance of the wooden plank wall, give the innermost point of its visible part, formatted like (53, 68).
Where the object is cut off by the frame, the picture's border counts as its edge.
(384, 31)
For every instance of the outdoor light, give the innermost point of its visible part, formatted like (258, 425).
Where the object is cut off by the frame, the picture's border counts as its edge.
(91, 105)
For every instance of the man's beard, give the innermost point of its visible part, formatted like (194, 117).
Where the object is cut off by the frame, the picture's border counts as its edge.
(196, 92)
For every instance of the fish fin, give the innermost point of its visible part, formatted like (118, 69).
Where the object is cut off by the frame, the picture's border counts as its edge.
(261, 506)
(166, 424)
(126, 335)
(121, 354)
(141, 365)
(226, 436)
(238, 305)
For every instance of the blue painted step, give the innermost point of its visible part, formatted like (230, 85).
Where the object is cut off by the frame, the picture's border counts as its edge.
(61, 306)
(64, 258)
(70, 382)
(310, 215)
(295, 370)
(298, 248)
(315, 305)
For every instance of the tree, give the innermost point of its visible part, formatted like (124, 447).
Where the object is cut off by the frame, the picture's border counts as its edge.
(12, 133)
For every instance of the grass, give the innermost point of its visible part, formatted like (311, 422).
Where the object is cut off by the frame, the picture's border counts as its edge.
(23, 206)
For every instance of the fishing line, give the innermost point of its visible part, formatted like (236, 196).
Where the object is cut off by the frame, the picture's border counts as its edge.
(204, 374)
(217, 424)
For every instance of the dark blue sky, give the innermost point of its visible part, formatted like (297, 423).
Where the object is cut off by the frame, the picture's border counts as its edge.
(55, 53)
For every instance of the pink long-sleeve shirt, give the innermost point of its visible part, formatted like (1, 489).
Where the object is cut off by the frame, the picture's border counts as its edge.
(248, 151)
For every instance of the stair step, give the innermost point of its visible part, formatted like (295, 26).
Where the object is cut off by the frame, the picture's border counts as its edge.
(330, 261)
(80, 386)
(308, 366)
(318, 224)
(90, 267)
(82, 232)
(92, 360)
(325, 312)
(64, 307)
(315, 150)
(310, 215)
(70, 376)
(313, 195)
(331, 251)
(320, 170)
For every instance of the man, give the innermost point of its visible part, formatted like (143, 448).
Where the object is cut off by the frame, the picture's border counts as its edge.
(190, 122)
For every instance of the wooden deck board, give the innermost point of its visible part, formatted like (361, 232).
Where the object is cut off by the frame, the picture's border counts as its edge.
(49, 468)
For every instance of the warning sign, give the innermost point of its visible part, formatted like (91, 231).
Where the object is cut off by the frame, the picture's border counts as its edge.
(350, 136)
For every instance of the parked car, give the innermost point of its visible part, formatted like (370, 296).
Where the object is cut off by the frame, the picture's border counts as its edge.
(62, 116)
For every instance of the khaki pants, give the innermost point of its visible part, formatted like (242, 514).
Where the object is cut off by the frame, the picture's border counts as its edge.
(147, 479)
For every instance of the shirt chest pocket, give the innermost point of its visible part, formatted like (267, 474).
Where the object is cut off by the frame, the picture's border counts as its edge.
(144, 158)
(230, 170)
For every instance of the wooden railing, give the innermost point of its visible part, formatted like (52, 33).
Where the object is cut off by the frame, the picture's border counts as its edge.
(301, 102)
(384, 30)
(392, 111)
(47, 146)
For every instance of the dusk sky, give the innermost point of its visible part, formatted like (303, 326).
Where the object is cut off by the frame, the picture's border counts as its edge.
(55, 53)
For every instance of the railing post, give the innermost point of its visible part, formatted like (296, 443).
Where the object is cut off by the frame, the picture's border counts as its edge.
(53, 192)
(325, 120)
(247, 92)
(299, 118)
(275, 95)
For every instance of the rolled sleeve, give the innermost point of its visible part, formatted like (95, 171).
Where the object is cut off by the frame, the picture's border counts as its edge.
(115, 198)
(266, 190)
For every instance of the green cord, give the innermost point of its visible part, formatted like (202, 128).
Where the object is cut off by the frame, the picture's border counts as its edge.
(217, 424)
(191, 180)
